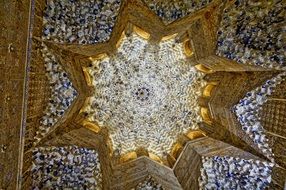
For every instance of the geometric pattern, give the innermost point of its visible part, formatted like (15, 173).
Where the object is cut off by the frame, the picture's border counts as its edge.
(58, 151)
(247, 112)
(81, 22)
(254, 37)
(62, 93)
(149, 183)
(145, 95)
(234, 173)
(66, 167)
(170, 11)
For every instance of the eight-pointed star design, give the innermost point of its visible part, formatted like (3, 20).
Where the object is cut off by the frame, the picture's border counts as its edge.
(146, 94)
(163, 99)
(97, 73)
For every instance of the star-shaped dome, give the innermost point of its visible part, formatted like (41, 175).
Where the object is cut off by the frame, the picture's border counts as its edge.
(146, 94)
(142, 94)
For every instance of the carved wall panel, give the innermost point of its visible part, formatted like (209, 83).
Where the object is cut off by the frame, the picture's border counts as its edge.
(13, 64)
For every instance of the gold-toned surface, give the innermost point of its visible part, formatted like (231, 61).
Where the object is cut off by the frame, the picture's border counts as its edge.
(188, 48)
(228, 82)
(205, 115)
(141, 32)
(208, 90)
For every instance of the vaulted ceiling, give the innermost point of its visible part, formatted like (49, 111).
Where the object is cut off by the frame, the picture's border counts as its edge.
(139, 94)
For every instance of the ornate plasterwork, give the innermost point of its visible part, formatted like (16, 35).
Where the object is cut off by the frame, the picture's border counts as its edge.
(247, 113)
(251, 33)
(234, 173)
(80, 22)
(62, 96)
(149, 184)
(170, 11)
(68, 167)
(145, 95)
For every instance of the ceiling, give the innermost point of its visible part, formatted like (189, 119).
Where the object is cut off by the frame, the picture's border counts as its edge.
(138, 94)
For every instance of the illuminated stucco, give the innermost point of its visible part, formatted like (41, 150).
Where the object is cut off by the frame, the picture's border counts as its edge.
(145, 95)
